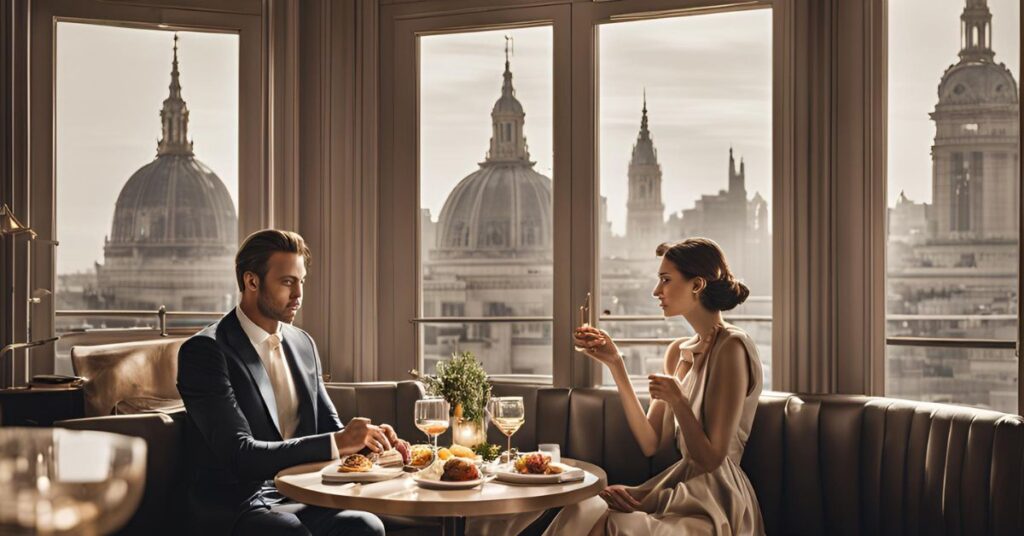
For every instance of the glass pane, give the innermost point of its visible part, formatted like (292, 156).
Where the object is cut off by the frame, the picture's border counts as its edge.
(953, 197)
(681, 99)
(147, 132)
(530, 344)
(485, 195)
(975, 377)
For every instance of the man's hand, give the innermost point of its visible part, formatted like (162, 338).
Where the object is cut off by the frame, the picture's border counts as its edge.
(389, 432)
(360, 433)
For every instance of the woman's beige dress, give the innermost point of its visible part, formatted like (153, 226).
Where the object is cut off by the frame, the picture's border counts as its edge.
(683, 499)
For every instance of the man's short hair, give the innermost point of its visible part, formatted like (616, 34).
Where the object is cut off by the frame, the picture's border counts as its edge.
(255, 251)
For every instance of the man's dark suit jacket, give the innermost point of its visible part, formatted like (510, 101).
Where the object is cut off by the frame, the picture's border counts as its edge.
(232, 440)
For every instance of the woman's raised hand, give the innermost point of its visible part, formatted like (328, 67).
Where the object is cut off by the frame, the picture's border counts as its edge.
(597, 344)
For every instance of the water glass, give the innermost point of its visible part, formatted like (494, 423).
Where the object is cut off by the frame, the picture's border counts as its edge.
(551, 449)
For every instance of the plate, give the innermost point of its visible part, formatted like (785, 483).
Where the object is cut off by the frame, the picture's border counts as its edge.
(430, 483)
(569, 474)
(377, 474)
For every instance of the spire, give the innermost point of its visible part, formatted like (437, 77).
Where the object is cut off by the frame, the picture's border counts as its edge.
(976, 32)
(174, 116)
(645, 134)
(737, 179)
(508, 143)
(506, 87)
(643, 149)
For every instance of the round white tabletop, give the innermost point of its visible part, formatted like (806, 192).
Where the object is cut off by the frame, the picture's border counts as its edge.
(401, 496)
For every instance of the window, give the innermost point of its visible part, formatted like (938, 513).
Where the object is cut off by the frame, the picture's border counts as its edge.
(485, 194)
(953, 175)
(685, 123)
(146, 130)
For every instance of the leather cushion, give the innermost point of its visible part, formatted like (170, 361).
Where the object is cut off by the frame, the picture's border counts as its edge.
(142, 369)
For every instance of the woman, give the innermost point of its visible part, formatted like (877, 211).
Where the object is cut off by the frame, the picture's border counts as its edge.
(704, 400)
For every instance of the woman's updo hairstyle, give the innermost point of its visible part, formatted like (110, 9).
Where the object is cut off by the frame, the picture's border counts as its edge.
(701, 257)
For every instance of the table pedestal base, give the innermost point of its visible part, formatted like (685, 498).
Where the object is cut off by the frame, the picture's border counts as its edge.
(453, 526)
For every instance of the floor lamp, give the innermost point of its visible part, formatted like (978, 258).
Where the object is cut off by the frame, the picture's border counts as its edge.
(11, 228)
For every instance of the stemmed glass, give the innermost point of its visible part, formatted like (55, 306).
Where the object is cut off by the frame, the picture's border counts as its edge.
(432, 418)
(508, 414)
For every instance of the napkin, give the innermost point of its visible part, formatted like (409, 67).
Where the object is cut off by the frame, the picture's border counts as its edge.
(570, 474)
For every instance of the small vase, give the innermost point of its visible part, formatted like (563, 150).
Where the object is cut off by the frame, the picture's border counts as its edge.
(465, 432)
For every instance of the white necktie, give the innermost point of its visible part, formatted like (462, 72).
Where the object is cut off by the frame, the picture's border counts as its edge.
(284, 387)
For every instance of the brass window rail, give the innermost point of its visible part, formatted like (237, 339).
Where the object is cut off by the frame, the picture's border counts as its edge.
(161, 314)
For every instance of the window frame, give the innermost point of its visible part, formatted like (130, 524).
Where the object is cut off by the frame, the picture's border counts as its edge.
(255, 198)
(399, 338)
(576, 228)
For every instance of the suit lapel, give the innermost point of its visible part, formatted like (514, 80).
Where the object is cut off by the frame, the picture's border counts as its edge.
(247, 354)
(303, 374)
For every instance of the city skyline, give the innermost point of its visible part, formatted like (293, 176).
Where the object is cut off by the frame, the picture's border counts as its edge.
(104, 148)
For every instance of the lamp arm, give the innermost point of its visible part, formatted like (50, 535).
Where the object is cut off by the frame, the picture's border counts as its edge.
(30, 344)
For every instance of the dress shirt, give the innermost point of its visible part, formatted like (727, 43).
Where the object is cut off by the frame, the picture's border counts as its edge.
(268, 347)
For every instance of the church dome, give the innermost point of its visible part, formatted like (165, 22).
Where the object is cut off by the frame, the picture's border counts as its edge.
(507, 103)
(503, 209)
(175, 200)
(976, 78)
(174, 206)
(977, 82)
(498, 210)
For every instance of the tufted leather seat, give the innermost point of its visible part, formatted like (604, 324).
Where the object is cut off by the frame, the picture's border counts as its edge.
(821, 464)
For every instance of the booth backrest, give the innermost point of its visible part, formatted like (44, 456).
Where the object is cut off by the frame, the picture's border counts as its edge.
(140, 373)
(162, 508)
(820, 464)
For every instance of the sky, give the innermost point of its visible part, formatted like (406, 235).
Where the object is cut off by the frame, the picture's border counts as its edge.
(924, 39)
(110, 86)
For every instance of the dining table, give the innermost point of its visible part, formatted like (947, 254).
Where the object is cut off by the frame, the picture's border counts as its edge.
(402, 496)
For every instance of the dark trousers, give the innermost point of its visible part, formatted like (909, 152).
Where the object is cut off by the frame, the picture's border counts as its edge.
(279, 516)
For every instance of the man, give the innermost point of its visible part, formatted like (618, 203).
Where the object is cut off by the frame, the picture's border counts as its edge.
(256, 404)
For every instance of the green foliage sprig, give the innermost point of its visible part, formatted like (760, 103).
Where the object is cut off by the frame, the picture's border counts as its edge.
(461, 381)
(487, 451)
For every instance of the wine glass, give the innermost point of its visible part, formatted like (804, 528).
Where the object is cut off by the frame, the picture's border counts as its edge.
(57, 481)
(432, 418)
(507, 413)
(583, 319)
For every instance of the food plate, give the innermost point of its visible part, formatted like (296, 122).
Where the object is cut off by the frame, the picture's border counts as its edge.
(568, 474)
(377, 474)
(431, 483)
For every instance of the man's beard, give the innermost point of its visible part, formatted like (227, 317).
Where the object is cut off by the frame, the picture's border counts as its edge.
(266, 307)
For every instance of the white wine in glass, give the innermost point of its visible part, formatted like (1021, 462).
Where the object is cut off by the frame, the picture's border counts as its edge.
(508, 414)
(432, 418)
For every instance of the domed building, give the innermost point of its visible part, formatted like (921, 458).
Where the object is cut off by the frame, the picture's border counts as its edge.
(975, 152)
(175, 230)
(493, 254)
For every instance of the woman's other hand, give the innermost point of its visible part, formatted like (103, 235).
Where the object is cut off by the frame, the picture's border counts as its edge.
(668, 388)
(619, 498)
(597, 344)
